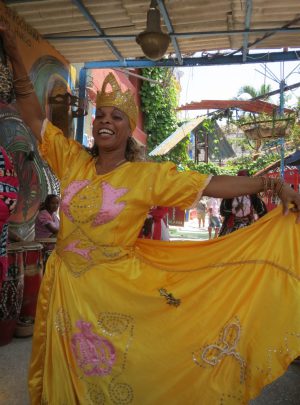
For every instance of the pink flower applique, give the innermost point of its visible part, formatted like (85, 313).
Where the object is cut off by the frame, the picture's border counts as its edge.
(110, 209)
(84, 252)
(94, 354)
(73, 188)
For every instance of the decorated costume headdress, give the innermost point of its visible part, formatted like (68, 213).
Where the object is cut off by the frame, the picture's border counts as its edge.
(124, 101)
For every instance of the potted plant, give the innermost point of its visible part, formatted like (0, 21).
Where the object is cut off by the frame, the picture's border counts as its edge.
(264, 126)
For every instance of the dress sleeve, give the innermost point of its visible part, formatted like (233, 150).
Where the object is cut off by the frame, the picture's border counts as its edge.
(45, 218)
(57, 150)
(172, 188)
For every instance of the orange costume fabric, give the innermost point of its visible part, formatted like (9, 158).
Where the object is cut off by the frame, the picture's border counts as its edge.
(123, 320)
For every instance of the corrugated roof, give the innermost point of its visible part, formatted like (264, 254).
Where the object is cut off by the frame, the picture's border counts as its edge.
(213, 26)
(224, 148)
(176, 137)
(219, 148)
(255, 106)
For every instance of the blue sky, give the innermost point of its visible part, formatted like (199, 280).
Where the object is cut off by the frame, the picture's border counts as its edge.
(223, 82)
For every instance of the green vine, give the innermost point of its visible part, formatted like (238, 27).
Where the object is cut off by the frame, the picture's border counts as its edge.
(159, 103)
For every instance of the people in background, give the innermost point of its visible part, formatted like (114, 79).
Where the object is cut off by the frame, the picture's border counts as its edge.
(241, 211)
(201, 212)
(47, 221)
(214, 222)
(155, 225)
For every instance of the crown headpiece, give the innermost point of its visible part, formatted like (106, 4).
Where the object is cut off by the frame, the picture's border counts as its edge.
(124, 101)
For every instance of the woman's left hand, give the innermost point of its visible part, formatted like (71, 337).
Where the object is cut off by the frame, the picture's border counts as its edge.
(289, 196)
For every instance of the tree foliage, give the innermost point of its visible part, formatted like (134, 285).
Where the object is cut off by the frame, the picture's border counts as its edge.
(159, 103)
(253, 92)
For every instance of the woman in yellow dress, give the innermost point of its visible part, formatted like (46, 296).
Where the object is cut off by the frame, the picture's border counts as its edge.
(123, 320)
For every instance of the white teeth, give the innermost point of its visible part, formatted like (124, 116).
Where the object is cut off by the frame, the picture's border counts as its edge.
(105, 131)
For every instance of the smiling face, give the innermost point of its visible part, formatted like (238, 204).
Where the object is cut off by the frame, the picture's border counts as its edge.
(111, 129)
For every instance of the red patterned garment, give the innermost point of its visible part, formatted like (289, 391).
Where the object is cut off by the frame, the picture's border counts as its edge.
(8, 198)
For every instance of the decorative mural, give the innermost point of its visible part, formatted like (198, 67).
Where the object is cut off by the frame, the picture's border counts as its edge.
(51, 78)
(50, 74)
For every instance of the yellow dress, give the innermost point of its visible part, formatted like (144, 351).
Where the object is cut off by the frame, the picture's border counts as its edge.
(127, 321)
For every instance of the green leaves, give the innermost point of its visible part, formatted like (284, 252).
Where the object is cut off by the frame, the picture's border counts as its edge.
(159, 103)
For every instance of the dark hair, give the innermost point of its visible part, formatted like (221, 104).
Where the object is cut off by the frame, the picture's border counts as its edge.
(47, 201)
(133, 152)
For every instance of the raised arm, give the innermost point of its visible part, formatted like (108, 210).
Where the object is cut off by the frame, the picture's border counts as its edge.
(234, 186)
(27, 101)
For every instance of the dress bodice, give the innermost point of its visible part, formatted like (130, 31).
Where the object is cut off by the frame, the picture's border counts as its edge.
(108, 211)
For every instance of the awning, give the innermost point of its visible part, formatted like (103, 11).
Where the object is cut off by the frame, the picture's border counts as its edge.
(255, 106)
(293, 159)
(176, 137)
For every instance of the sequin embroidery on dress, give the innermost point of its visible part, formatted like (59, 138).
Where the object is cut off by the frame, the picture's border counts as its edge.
(104, 353)
(110, 209)
(121, 327)
(94, 354)
(84, 252)
(83, 202)
(213, 354)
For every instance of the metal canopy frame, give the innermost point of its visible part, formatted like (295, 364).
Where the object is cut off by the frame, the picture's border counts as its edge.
(221, 58)
(212, 58)
(206, 60)
(247, 28)
(97, 28)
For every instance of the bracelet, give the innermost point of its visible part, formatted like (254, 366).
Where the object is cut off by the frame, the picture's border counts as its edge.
(279, 187)
(22, 78)
(25, 93)
(23, 86)
(274, 186)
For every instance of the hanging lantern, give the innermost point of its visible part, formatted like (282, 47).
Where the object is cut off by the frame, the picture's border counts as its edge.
(153, 41)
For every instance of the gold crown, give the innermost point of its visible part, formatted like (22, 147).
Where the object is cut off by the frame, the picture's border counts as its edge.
(124, 101)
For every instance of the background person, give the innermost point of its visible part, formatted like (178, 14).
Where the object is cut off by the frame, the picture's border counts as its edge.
(241, 211)
(47, 221)
(214, 222)
(201, 212)
(155, 226)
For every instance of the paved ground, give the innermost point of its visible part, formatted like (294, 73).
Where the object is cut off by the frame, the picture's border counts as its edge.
(190, 231)
(14, 359)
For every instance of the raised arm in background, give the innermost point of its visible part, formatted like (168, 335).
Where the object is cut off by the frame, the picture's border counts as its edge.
(28, 104)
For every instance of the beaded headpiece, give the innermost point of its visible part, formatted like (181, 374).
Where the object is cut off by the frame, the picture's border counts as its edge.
(124, 101)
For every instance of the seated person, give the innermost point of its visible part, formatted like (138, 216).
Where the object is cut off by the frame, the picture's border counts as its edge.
(47, 221)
